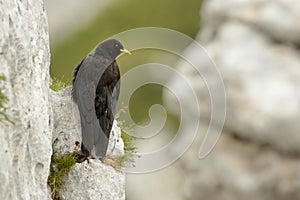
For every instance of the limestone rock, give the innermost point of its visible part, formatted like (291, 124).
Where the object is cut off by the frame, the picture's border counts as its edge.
(94, 180)
(25, 148)
(66, 124)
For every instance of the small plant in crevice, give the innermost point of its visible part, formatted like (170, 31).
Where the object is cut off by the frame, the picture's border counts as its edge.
(130, 150)
(60, 166)
(3, 101)
(58, 84)
(120, 161)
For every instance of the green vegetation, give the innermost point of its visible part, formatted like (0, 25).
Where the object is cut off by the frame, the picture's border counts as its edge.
(58, 84)
(3, 101)
(128, 140)
(129, 150)
(59, 167)
(120, 161)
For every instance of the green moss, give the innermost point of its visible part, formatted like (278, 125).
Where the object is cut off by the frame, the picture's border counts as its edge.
(3, 98)
(3, 101)
(60, 166)
(58, 84)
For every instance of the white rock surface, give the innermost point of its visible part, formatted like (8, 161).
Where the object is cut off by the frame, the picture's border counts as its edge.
(93, 180)
(66, 124)
(25, 148)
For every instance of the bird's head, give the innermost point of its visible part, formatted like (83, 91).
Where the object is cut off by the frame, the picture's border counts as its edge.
(111, 48)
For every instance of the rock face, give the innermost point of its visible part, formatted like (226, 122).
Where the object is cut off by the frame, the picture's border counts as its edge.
(25, 148)
(39, 116)
(255, 45)
(94, 180)
(66, 124)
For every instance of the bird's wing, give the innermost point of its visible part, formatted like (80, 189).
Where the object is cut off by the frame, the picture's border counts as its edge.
(74, 96)
(102, 109)
(84, 92)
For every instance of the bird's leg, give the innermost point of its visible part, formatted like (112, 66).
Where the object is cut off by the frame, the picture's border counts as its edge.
(80, 156)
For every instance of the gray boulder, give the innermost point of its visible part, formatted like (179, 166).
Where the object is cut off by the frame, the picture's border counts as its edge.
(93, 180)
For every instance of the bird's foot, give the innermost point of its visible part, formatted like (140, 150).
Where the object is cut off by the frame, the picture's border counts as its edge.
(80, 156)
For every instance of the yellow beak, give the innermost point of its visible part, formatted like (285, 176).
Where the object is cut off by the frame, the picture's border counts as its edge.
(126, 51)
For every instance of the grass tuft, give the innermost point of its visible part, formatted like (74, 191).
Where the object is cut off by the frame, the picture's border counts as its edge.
(60, 166)
(130, 149)
(3, 101)
(58, 84)
(120, 161)
(128, 140)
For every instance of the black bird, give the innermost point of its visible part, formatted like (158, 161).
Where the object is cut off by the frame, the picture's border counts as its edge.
(96, 89)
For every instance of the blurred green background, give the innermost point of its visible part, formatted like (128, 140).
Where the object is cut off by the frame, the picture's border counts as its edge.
(182, 16)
